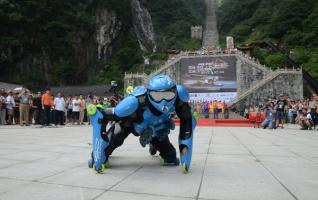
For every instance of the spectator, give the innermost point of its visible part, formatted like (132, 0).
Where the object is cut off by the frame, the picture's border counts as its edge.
(82, 109)
(59, 105)
(3, 107)
(76, 109)
(211, 108)
(31, 112)
(280, 108)
(114, 100)
(292, 112)
(69, 107)
(24, 107)
(89, 100)
(205, 109)
(52, 111)
(46, 106)
(37, 105)
(270, 120)
(313, 110)
(225, 110)
(309, 120)
(199, 108)
(10, 106)
(16, 109)
(105, 103)
(305, 121)
(219, 104)
(215, 109)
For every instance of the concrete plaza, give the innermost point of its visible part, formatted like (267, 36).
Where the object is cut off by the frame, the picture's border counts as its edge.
(228, 163)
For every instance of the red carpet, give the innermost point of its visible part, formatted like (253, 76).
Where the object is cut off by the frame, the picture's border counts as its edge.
(221, 122)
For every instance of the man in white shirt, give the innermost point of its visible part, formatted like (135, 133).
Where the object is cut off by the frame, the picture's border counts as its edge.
(76, 109)
(59, 105)
(10, 106)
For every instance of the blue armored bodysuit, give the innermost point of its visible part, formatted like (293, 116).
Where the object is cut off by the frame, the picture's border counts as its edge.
(146, 113)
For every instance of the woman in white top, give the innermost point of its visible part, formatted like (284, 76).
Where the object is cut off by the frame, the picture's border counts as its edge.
(59, 106)
(76, 109)
(10, 106)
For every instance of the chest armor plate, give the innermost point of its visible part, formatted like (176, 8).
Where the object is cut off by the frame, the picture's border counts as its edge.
(159, 125)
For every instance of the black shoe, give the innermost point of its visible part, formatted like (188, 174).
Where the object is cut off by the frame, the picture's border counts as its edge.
(163, 162)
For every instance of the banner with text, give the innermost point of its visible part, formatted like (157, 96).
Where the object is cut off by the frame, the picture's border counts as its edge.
(210, 78)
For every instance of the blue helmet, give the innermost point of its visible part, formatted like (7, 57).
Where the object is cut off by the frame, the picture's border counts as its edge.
(162, 93)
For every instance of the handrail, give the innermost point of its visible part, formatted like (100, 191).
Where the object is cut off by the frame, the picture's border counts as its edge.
(272, 75)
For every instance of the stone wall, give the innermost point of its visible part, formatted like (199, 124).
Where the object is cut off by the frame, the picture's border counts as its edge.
(290, 84)
(248, 73)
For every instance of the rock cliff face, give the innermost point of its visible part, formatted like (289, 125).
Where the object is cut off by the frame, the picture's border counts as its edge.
(143, 26)
(108, 28)
(74, 48)
(46, 42)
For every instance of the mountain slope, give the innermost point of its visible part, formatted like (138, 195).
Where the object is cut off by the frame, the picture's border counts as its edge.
(95, 41)
(292, 24)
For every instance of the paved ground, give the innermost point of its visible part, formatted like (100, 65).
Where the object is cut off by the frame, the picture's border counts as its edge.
(228, 163)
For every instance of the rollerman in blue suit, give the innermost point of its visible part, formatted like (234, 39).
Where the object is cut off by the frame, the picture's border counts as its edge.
(146, 113)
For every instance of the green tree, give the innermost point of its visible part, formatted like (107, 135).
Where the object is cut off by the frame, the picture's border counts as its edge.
(276, 60)
(312, 64)
(260, 54)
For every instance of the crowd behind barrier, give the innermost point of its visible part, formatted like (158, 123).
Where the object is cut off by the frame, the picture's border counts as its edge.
(274, 113)
(210, 109)
(43, 108)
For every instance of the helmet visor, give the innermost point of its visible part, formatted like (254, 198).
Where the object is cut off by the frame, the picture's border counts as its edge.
(162, 95)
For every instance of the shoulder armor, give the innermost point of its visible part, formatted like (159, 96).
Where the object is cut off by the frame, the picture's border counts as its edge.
(126, 107)
(183, 93)
(138, 91)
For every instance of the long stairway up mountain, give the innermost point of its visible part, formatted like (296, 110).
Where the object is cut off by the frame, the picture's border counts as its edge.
(211, 35)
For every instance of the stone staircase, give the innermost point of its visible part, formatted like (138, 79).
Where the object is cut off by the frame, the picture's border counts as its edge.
(269, 77)
(255, 85)
(182, 55)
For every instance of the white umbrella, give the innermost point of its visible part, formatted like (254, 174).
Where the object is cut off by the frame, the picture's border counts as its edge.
(19, 89)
